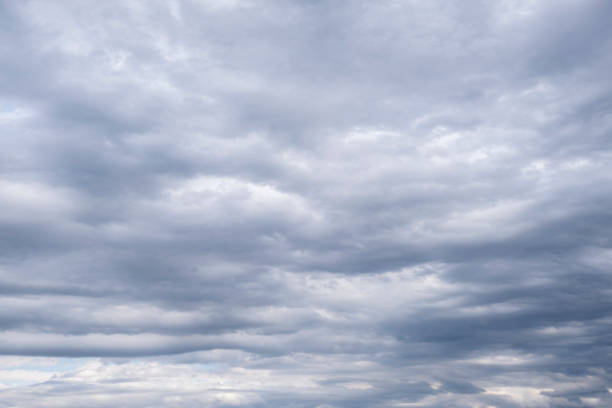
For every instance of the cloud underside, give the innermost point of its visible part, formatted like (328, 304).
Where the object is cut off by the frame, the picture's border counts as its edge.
(305, 204)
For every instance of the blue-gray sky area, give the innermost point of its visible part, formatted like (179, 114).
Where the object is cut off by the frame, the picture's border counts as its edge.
(326, 204)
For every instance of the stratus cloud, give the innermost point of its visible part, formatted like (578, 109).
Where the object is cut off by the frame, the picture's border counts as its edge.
(305, 204)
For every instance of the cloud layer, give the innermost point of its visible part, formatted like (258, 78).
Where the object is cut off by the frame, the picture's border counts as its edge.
(305, 204)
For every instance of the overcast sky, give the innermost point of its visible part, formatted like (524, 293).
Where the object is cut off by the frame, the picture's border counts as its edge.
(330, 204)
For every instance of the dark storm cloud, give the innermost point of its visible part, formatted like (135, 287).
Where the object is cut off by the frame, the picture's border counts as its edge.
(366, 204)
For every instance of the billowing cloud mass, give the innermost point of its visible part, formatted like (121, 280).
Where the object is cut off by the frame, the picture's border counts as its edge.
(327, 204)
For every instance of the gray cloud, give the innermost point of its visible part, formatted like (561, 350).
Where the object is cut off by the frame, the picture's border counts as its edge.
(305, 204)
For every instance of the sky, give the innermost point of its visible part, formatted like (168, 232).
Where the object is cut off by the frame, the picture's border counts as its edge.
(315, 203)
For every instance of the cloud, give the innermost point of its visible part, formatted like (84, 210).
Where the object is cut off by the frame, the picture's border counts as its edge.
(306, 204)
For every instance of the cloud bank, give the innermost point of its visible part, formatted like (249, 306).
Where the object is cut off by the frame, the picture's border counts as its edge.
(305, 204)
